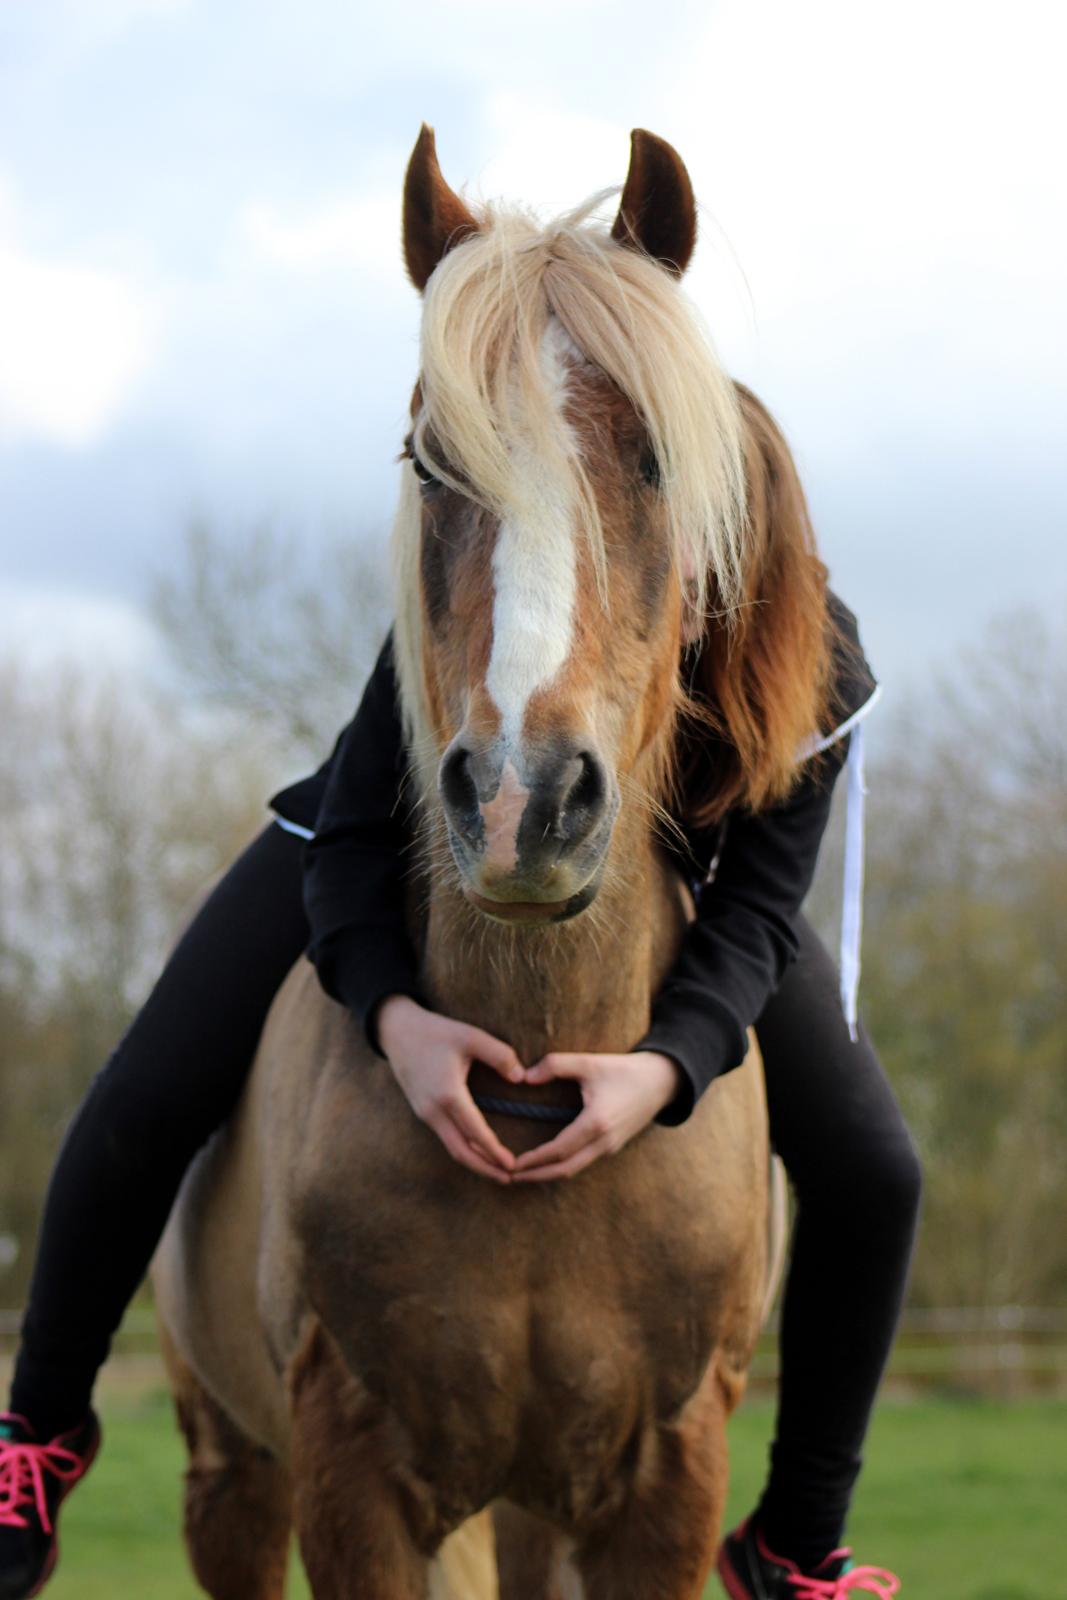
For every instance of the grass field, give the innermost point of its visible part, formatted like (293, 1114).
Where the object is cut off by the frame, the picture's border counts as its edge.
(967, 1500)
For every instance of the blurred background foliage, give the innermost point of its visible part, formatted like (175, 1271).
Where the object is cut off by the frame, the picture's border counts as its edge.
(965, 952)
(121, 801)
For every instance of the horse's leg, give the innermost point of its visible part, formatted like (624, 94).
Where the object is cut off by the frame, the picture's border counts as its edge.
(662, 1544)
(366, 1530)
(356, 1525)
(237, 1498)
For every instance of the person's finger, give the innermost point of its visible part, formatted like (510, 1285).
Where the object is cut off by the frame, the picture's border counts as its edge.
(559, 1064)
(582, 1131)
(460, 1151)
(566, 1169)
(495, 1053)
(465, 1116)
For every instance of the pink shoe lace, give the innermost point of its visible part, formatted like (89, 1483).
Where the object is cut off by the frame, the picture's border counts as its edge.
(22, 1473)
(809, 1586)
(871, 1580)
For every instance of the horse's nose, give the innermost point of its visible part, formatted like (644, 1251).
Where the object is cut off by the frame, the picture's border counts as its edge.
(520, 817)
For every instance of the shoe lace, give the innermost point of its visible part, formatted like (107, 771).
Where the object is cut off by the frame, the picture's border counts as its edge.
(22, 1479)
(873, 1580)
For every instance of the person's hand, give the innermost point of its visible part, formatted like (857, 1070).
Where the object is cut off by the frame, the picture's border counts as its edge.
(431, 1056)
(620, 1096)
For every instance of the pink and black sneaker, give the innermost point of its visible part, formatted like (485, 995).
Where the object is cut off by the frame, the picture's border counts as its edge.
(750, 1571)
(35, 1479)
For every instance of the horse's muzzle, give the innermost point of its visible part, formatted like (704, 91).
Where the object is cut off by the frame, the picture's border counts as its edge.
(529, 830)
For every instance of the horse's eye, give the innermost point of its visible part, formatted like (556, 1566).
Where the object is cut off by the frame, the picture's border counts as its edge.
(423, 473)
(649, 469)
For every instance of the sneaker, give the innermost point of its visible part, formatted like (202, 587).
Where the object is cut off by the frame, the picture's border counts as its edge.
(749, 1571)
(35, 1479)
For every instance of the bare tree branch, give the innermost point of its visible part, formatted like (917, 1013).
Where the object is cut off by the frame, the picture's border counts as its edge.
(263, 627)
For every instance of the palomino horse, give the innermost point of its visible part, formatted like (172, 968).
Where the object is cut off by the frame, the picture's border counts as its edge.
(369, 1342)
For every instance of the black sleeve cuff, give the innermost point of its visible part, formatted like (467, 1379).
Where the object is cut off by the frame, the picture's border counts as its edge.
(701, 1036)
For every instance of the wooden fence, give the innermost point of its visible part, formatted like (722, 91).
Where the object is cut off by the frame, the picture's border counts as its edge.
(1005, 1350)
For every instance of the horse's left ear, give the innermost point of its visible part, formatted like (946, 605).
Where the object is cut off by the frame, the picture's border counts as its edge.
(435, 217)
(657, 213)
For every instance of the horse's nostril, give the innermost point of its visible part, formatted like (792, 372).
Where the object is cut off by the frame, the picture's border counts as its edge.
(591, 785)
(456, 781)
(585, 798)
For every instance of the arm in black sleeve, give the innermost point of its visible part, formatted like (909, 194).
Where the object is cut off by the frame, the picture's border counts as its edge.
(735, 953)
(356, 864)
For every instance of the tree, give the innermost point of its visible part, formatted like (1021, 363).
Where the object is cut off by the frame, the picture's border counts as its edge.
(119, 807)
(262, 627)
(122, 803)
(965, 958)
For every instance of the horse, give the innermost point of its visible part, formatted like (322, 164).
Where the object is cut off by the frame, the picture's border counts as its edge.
(443, 1385)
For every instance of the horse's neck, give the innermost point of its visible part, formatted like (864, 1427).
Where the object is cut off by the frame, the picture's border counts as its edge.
(584, 984)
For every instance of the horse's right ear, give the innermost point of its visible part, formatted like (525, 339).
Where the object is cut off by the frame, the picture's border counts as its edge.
(435, 217)
(658, 213)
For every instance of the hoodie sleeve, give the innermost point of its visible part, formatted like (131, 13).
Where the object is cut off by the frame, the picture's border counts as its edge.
(736, 951)
(359, 859)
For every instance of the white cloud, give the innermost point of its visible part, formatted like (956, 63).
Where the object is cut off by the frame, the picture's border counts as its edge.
(74, 341)
(45, 627)
(106, 18)
(545, 154)
(344, 231)
(880, 243)
(877, 149)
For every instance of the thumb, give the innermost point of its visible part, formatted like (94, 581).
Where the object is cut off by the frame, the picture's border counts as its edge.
(495, 1053)
(559, 1064)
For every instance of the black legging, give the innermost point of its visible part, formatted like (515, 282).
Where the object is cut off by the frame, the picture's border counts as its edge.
(179, 1070)
(857, 1181)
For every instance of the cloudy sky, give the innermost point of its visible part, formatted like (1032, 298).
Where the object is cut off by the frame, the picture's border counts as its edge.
(202, 307)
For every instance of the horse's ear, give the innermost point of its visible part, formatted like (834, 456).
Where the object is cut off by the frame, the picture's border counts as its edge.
(435, 218)
(657, 213)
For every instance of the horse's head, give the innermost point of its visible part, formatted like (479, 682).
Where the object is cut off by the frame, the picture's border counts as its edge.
(573, 473)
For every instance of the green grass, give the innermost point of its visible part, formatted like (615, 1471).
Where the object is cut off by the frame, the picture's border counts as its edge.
(967, 1500)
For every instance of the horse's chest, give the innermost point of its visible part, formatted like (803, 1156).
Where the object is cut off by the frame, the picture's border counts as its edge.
(501, 1390)
(522, 1349)
(524, 1341)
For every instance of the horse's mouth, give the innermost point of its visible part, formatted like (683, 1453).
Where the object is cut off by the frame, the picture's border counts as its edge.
(534, 911)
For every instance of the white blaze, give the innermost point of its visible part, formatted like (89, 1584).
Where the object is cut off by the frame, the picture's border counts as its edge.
(535, 575)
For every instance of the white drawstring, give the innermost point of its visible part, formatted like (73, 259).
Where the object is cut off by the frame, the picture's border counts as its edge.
(852, 891)
(294, 827)
(852, 887)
